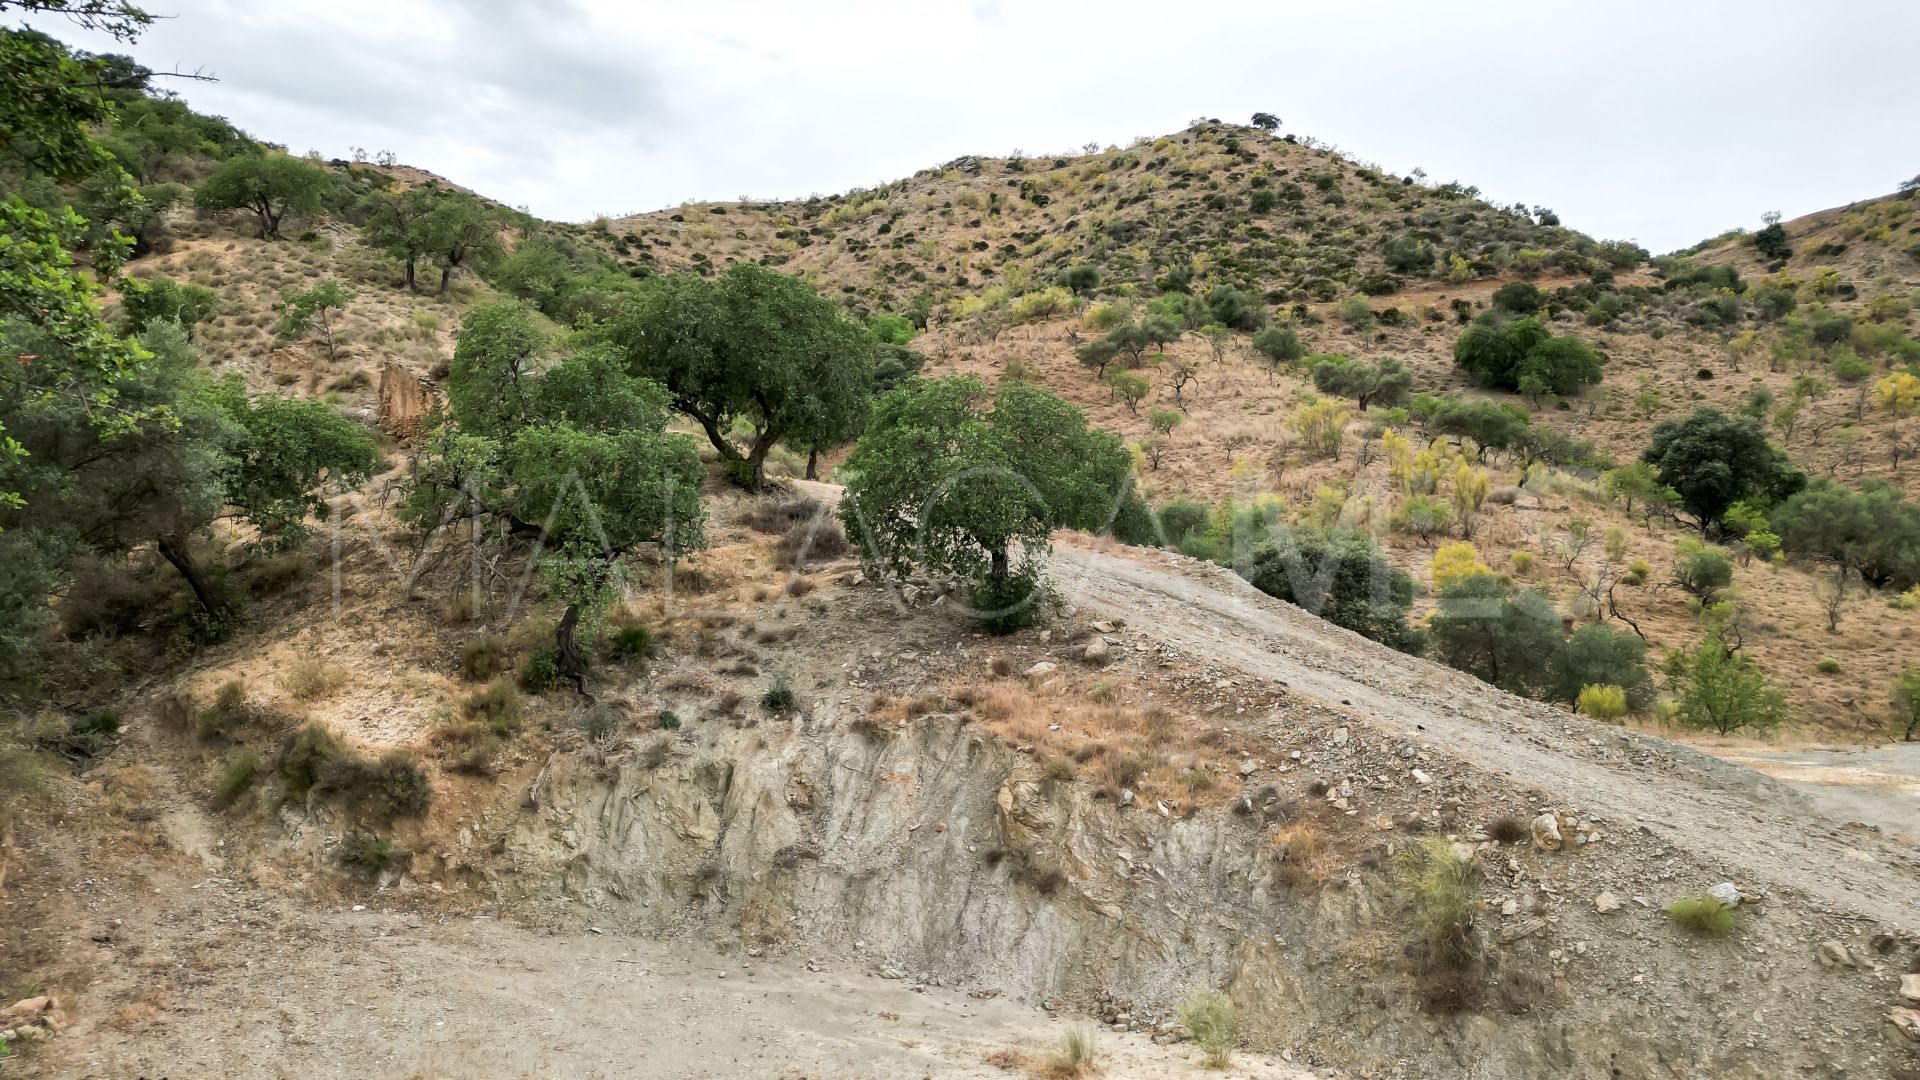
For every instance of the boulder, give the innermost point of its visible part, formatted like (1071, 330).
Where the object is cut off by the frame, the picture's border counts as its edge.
(1095, 651)
(1044, 667)
(1906, 1022)
(1910, 988)
(1835, 955)
(1606, 902)
(1727, 893)
(1546, 833)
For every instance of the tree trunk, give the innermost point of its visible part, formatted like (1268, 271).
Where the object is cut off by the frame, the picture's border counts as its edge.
(176, 551)
(757, 458)
(999, 570)
(446, 276)
(411, 287)
(813, 463)
(572, 667)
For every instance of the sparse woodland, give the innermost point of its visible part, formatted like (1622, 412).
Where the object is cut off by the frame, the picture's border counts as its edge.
(335, 487)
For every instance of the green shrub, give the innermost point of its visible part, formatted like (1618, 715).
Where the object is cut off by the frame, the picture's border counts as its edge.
(1524, 355)
(601, 722)
(1446, 950)
(1280, 344)
(1602, 702)
(306, 757)
(370, 853)
(540, 671)
(669, 720)
(630, 643)
(84, 736)
(1703, 915)
(236, 777)
(1701, 569)
(393, 786)
(1212, 1025)
(306, 680)
(1076, 1055)
(779, 695)
(1720, 689)
(1008, 604)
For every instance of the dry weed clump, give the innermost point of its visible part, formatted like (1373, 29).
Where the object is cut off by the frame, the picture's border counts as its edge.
(1078, 734)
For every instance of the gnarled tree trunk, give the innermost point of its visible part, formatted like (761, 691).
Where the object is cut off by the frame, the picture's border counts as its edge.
(572, 666)
(174, 549)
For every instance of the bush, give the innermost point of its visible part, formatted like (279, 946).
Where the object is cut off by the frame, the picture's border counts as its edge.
(1519, 298)
(1446, 951)
(1827, 666)
(1720, 689)
(306, 757)
(1076, 1056)
(1343, 578)
(1212, 1025)
(496, 706)
(1408, 254)
(307, 680)
(1605, 703)
(1701, 569)
(369, 853)
(601, 722)
(669, 720)
(1503, 636)
(630, 643)
(483, 658)
(1703, 915)
(779, 696)
(1598, 655)
(1524, 355)
(1235, 308)
(1008, 604)
(1280, 344)
(540, 671)
(229, 708)
(236, 777)
(1355, 312)
(393, 786)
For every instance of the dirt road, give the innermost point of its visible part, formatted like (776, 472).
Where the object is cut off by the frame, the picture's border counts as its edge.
(1696, 802)
(245, 983)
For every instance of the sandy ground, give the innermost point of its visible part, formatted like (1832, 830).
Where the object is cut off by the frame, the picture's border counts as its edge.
(278, 990)
(1877, 785)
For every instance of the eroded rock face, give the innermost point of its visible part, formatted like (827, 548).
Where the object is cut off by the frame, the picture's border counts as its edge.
(405, 399)
(939, 853)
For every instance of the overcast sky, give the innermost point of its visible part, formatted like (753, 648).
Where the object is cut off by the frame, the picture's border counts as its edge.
(1663, 121)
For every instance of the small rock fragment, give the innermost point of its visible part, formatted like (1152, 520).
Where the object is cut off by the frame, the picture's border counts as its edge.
(1546, 833)
(1606, 902)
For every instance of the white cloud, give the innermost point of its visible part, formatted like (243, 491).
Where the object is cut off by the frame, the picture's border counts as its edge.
(1643, 119)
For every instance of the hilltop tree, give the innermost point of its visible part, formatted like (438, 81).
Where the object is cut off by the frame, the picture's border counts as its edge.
(1341, 577)
(1279, 344)
(952, 479)
(1387, 383)
(575, 454)
(1711, 461)
(1266, 122)
(753, 345)
(457, 230)
(269, 185)
(393, 224)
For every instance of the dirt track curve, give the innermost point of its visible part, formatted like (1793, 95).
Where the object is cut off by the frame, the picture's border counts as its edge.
(1687, 798)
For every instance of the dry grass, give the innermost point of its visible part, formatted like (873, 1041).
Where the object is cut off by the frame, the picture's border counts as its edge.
(311, 680)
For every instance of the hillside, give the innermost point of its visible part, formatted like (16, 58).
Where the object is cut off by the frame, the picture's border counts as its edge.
(411, 671)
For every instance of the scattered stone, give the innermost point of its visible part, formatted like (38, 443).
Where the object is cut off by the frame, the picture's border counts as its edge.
(1044, 667)
(1104, 627)
(1727, 893)
(1340, 736)
(1910, 987)
(1606, 902)
(1511, 907)
(1249, 767)
(1546, 833)
(1906, 1022)
(1420, 777)
(1126, 796)
(1521, 929)
(1884, 943)
(1095, 651)
(1835, 955)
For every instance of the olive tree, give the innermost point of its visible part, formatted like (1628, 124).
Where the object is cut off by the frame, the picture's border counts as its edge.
(753, 346)
(573, 455)
(953, 479)
(269, 185)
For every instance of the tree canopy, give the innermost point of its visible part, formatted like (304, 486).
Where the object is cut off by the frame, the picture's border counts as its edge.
(752, 345)
(1711, 461)
(574, 453)
(1525, 356)
(954, 479)
(1387, 383)
(270, 186)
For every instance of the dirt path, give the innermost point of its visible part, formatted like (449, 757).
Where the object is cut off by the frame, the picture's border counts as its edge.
(250, 984)
(1689, 799)
(1879, 785)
